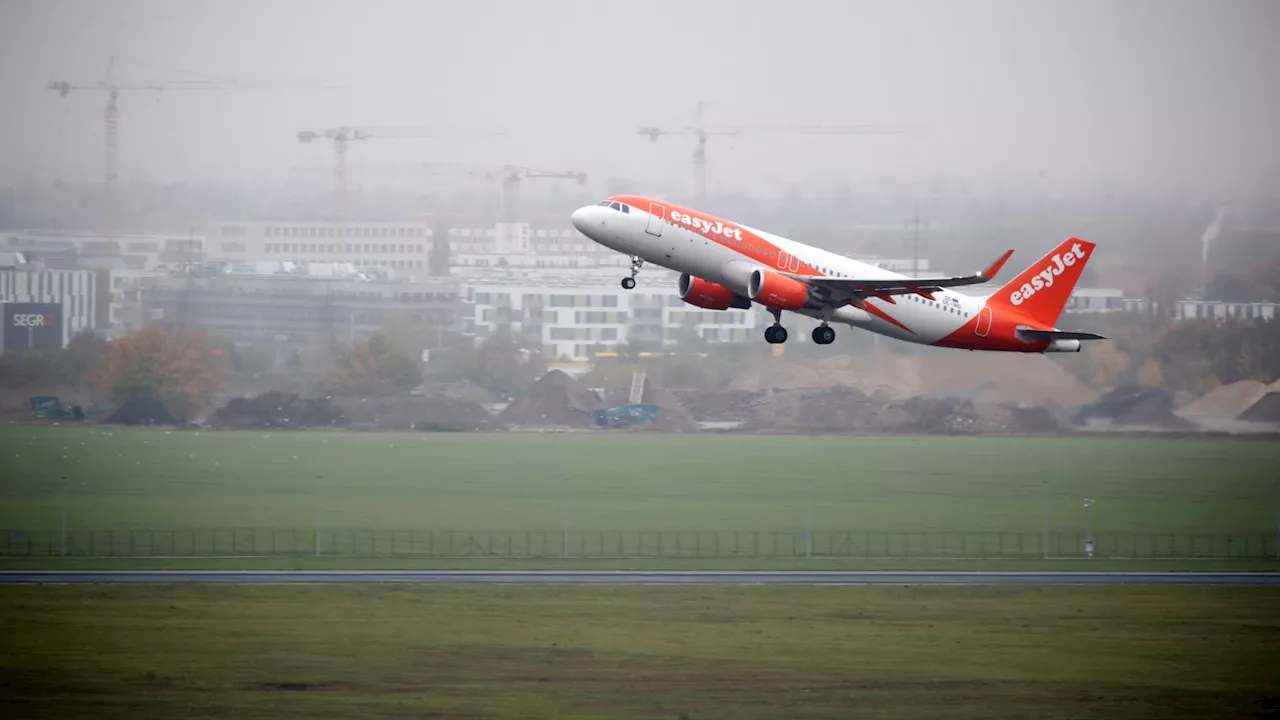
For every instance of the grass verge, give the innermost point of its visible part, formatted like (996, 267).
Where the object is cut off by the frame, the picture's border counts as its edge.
(655, 652)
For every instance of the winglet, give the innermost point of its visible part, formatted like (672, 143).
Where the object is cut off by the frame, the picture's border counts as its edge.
(990, 272)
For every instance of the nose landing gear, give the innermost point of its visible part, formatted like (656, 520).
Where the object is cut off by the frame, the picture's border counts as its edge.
(630, 282)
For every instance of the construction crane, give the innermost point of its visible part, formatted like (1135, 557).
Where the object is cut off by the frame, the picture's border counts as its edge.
(112, 118)
(342, 136)
(700, 134)
(111, 115)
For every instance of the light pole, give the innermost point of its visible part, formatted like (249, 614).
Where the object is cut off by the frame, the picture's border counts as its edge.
(1088, 527)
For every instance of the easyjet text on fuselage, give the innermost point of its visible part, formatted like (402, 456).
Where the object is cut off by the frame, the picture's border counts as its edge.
(715, 228)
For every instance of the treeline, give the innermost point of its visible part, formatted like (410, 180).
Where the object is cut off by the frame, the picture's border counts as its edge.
(1195, 355)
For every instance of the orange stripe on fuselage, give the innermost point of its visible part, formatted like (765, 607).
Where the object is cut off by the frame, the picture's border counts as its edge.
(764, 251)
(752, 245)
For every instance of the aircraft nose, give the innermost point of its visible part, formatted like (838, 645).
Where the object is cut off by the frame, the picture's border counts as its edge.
(580, 217)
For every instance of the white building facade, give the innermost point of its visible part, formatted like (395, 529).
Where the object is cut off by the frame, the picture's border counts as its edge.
(575, 315)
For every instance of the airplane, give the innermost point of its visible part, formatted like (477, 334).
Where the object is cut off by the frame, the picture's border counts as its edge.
(726, 265)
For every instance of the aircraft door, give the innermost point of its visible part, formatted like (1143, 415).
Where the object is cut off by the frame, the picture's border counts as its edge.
(983, 326)
(657, 215)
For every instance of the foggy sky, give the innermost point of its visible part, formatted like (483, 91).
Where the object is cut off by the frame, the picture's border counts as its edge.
(1155, 96)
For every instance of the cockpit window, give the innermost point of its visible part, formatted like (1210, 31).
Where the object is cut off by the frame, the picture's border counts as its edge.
(626, 208)
(615, 206)
(603, 203)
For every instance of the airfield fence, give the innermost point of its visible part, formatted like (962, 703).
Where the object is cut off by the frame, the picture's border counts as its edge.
(356, 543)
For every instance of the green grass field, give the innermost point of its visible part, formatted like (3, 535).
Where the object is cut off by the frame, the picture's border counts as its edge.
(649, 652)
(125, 479)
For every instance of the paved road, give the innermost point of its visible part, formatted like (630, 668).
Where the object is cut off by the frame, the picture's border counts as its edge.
(633, 577)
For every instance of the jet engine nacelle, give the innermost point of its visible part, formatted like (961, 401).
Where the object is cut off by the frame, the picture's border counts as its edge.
(709, 295)
(776, 290)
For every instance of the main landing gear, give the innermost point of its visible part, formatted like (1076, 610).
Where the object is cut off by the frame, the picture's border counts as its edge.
(775, 334)
(630, 282)
(824, 335)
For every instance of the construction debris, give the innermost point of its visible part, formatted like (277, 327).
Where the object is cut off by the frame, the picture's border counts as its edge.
(441, 413)
(276, 409)
(1133, 406)
(849, 410)
(141, 411)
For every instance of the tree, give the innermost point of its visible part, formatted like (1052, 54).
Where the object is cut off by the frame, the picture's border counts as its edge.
(181, 371)
(502, 363)
(408, 335)
(1150, 375)
(1108, 363)
(373, 365)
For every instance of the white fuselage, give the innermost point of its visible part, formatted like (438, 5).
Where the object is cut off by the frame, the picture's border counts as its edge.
(726, 253)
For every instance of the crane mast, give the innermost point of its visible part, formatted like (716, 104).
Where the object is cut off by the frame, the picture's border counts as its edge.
(701, 133)
(111, 119)
(341, 137)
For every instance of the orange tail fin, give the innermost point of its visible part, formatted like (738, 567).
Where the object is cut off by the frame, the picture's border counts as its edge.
(1042, 290)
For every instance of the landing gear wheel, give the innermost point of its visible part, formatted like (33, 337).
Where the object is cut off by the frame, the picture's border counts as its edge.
(636, 264)
(775, 334)
(824, 335)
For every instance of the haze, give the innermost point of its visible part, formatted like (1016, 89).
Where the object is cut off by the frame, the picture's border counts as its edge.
(1145, 97)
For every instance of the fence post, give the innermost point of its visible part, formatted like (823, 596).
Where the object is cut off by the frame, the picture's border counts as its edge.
(1045, 540)
(808, 536)
(316, 498)
(62, 511)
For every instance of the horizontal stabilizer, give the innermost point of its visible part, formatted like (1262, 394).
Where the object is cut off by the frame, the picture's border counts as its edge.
(1029, 335)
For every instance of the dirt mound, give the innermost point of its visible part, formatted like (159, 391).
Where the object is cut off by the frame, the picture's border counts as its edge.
(1266, 409)
(982, 377)
(554, 400)
(1025, 379)
(277, 410)
(1134, 406)
(1227, 401)
(434, 412)
(144, 411)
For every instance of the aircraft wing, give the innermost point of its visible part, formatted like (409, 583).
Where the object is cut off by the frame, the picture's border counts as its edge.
(887, 288)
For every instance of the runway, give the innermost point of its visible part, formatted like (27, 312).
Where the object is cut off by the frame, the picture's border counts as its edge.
(625, 577)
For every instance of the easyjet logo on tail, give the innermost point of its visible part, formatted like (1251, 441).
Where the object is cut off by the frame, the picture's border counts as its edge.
(1045, 278)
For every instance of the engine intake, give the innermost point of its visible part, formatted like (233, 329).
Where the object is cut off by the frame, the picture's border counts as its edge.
(709, 295)
(776, 290)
